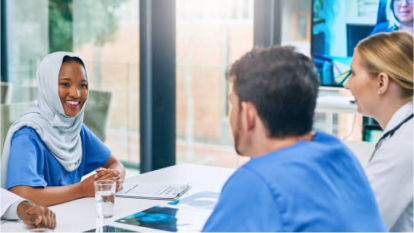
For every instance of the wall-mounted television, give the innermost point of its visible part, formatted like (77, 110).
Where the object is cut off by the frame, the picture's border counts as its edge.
(337, 27)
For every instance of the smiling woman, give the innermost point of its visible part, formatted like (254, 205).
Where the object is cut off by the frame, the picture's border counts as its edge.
(73, 86)
(398, 14)
(403, 11)
(48, 149)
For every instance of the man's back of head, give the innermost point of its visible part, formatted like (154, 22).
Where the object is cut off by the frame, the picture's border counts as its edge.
(273, 99)
(283, 86)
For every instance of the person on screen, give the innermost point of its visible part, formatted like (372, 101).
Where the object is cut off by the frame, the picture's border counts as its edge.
(399, 15)
(48, 149)
(296, 180)
(14, 207)
(382, 84)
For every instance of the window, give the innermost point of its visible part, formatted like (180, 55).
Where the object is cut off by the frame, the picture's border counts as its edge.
(106, 36)
(211, 35)
(105, 33)
(367, 7)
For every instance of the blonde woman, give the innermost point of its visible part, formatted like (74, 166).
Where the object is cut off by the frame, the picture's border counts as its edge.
(382, 84)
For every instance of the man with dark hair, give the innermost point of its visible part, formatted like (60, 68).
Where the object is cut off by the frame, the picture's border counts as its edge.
(296, 180)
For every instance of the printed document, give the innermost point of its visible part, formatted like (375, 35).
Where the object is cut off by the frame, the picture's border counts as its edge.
(153, 191)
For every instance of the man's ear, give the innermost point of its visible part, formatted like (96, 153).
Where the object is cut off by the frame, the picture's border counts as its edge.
(383, 83)
(248, 114)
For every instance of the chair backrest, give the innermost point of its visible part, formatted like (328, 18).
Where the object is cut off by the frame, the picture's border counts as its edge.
(23, 94)
(362, 150)
(4, 91)
(97, 112)
(9, 114)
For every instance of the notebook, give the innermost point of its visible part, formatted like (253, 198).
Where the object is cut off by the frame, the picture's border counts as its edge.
(153, 191)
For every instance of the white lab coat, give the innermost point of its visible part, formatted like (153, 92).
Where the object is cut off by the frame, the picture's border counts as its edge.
(390, 173)
(9, 203)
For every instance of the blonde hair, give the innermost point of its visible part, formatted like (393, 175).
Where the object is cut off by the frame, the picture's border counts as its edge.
(391, 53)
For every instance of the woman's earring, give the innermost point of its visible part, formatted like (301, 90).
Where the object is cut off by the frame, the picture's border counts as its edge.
(379, 92)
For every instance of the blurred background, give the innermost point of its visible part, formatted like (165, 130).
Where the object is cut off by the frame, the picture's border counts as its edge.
(209, 36)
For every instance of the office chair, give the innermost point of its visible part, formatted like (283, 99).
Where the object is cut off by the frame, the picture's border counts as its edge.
(97, 112)
(23, 94)
(9, 114)
(4, 97)
(362, 150)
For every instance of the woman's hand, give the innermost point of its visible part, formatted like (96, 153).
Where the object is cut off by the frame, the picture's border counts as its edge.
(110, 174)
(112, 170)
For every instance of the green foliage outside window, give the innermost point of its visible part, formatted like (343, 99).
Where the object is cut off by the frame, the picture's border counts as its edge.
(97, 19)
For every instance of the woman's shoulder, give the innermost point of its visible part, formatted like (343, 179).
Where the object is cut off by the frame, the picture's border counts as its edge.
(26, 137)
(397, 149)
(403, 138)
(26, 131)
(85, 131)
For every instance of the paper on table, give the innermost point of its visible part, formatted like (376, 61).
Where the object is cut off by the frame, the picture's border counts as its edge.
(153, 191)
(205, 200)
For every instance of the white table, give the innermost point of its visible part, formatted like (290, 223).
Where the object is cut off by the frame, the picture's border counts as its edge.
(80, 215)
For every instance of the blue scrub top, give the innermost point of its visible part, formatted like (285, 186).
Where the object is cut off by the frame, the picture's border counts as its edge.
(32, 164)
(383, 27)
(311, 186)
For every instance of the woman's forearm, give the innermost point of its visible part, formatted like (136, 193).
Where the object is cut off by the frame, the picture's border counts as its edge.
(50, 195)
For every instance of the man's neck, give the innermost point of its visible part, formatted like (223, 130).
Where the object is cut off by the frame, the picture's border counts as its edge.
(268, 145)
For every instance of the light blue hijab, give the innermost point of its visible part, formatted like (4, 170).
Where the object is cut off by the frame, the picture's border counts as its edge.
(60, 133)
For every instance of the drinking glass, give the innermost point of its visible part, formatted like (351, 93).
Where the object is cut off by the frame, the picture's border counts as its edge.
(105, 198)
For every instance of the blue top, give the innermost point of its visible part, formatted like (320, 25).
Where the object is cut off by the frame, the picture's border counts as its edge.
(311, 186)
(383, 27)
(32, 164)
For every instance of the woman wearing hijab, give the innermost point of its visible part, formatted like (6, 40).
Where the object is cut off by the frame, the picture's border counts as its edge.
(399, 14)
(48, 149)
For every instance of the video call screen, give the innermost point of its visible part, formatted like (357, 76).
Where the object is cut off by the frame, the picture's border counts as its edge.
(338, 26)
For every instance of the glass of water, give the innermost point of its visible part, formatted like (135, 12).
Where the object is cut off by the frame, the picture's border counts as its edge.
(105, 198)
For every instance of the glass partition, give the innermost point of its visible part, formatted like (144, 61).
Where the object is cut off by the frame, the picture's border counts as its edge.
(211, 35)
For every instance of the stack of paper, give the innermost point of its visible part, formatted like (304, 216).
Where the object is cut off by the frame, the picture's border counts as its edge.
(153, 191)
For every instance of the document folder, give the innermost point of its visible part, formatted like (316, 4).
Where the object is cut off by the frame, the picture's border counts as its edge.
(153, 191)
